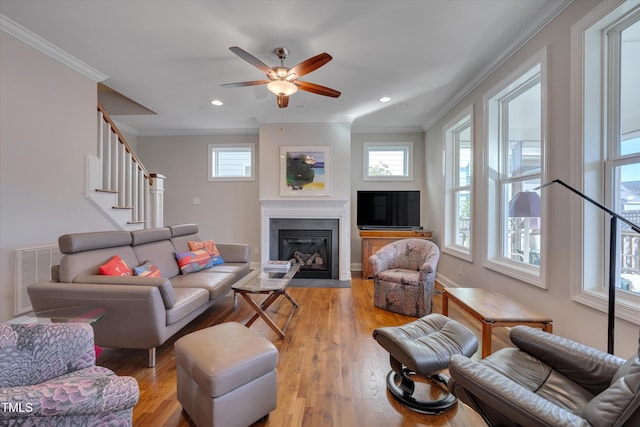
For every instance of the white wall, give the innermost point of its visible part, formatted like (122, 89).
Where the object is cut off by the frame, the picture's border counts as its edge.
(47, 126)
(570, 318)
(228, 211)
(358, 183)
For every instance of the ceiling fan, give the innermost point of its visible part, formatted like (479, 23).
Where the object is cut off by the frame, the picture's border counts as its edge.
(283, 81)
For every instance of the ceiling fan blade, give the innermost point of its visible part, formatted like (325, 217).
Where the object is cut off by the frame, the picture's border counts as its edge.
(311, 64)
(251, 83)
(283, 101)
(317, 89)
(251, 59)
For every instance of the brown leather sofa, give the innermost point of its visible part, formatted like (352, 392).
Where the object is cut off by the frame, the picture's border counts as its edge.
(141, 312)
(548, 380)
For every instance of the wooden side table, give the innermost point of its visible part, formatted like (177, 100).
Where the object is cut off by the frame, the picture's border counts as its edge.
(373, 240)
(493, 310)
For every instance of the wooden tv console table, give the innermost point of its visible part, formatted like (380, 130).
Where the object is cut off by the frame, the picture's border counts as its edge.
(373, 240)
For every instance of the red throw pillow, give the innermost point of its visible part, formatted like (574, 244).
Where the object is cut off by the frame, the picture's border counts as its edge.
(207, 245)
(115, 267)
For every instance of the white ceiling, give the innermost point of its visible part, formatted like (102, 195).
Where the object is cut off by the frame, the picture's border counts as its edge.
(171, 56)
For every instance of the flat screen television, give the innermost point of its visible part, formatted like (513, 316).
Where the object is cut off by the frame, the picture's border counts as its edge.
(388, 209)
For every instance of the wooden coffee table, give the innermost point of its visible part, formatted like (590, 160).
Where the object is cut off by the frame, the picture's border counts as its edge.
(273, 285)
(493, 310)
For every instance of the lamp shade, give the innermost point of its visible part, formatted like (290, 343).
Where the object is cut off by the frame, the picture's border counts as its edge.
(525, 204)
(282, 87)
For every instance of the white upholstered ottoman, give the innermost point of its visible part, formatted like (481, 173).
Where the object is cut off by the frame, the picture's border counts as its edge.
(226, 375)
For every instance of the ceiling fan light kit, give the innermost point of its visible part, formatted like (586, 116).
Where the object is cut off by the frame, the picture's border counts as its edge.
(283, 80)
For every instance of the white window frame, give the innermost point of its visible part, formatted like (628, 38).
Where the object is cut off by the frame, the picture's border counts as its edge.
(407, 147)
(453, 187)
(213, 148)
(592, 78)
(494, 260)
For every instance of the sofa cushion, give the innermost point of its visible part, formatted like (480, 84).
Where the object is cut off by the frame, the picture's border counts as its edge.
(192, 261)
(89, 262)
(147, 269)
(148, 235)
(217, 284)
(115, 267)
(161, 253)
(187, 301)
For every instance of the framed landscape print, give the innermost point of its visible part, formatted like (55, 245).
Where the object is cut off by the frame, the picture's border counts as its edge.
(304, 171)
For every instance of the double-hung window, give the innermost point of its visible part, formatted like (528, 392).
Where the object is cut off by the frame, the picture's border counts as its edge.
(231, 162)
(515, 140)
(458, 177)
(607, 133)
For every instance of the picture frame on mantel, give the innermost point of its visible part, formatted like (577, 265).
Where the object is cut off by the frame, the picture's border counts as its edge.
(305, 171)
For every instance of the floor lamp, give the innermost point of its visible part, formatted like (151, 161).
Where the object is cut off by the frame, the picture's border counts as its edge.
(613, 249)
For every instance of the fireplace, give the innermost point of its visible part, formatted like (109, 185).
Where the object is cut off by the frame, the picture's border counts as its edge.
(312, 243)
(313, 211)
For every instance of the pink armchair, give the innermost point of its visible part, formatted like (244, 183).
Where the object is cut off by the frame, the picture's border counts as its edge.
(404, 276)
(48, 377)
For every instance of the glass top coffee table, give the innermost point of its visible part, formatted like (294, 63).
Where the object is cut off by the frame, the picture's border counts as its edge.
(273, 285)
(76, 314)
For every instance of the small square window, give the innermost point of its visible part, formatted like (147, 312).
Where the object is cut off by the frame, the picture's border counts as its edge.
(388, 161)
(233, 162)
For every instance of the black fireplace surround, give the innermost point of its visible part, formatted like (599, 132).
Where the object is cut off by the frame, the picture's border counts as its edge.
(312, 243)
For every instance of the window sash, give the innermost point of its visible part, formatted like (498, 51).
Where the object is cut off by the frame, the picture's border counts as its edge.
(231, 162)
(388, 161)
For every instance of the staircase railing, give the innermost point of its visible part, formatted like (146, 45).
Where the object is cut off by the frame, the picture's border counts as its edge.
(122, 171)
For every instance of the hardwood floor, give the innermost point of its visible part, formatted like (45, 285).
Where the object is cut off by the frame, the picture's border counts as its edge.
(331, 372)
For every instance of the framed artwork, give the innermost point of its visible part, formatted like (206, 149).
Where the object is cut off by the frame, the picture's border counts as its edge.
(305, 171)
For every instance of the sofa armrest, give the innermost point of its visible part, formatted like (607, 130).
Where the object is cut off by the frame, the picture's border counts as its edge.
(89, 391)
(163, 284)
(506, 396)
(135, 316)
(235, 252)
(591, 368)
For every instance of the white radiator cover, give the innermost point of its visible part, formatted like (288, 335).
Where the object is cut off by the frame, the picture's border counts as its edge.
(32, 265)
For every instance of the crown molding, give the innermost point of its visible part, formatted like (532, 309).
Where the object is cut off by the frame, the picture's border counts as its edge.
(49, 49)
(534, 27)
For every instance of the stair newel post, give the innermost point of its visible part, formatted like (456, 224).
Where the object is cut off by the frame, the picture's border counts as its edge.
(156, 202)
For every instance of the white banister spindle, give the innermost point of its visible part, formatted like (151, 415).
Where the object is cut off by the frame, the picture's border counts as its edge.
(123, 173)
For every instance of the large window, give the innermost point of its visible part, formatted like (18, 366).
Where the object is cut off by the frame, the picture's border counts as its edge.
(231, 162)
(458, 178)
(515, 140)
(608, 136)
(388, 161)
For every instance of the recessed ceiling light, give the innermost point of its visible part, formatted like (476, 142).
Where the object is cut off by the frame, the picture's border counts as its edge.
(217, 102)
(384, 99)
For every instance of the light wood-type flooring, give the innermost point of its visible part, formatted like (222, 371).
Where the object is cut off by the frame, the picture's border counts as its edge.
(331, 372)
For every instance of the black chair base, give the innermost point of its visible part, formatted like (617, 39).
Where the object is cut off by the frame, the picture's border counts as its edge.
(402, 388)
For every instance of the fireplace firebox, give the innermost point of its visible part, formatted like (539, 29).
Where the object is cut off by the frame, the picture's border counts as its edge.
(310, 243)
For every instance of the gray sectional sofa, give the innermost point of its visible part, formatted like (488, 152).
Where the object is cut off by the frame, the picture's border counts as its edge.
(141, 312)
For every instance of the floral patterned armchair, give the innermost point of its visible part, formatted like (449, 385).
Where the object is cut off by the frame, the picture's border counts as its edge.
(48, 377)
(404, 276)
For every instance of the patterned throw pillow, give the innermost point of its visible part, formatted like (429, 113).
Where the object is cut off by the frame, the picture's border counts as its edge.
(115, 267)
(193, 261)
(211, 248)
(148, 269)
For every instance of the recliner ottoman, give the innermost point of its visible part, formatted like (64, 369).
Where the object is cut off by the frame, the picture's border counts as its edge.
(226, 375)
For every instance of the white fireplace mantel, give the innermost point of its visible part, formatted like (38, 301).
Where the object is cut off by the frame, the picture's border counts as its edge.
(310, 208)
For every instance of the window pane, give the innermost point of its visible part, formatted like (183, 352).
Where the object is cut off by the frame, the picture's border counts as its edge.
(390, 162)
(464, 156)
(523, 114)
(628, 195)
(522, 222)
(630, 90)
(231, 162)
(463, 223)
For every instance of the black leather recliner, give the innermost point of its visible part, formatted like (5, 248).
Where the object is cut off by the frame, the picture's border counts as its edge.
(549, 381)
